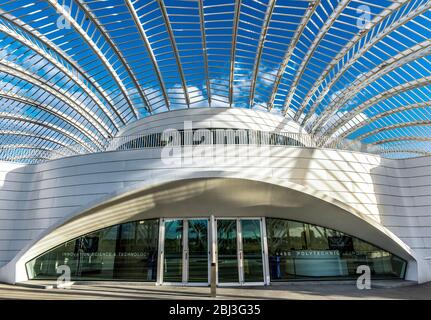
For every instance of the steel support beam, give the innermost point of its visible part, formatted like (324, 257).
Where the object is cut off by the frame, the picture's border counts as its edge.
(55, 112)
(342, 4)
(383, 115)
(175, 49)
(420, 152)
(204, 48)
(261, 44)
(49, 126)
(418, 51)
(92, 17)
(40, 153)
(418, 123)
(84, 35)
(33, 135)
(233, 49)
(292, 46)
(376, 99)
(16, 71)
(62, 68)
(150, 51)
(403, 138)
(54, 48)
(343, 52)
(372, 42)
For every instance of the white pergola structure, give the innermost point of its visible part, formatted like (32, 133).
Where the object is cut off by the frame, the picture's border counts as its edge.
(74, 72)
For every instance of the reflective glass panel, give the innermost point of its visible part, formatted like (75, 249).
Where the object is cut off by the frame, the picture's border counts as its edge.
(227, 251)
(304, 251)
(252, 250)
(122, 252)
(137, 251)
(173, 251)
(198, 250)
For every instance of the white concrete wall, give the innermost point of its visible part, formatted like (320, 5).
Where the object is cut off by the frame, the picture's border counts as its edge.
(403, 189)
(395, 193)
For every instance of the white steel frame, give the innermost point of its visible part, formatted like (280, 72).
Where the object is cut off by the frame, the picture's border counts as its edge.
(212, 243)
(295, 58)
(185, 259)
(240, 255)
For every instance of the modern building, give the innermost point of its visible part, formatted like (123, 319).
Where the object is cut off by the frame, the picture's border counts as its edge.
(282, 140)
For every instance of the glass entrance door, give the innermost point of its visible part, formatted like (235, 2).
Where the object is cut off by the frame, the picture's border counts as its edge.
(173, 251)
(197, 258)
(185, 251)
(240, 251)
(251, 251)
(227, 251)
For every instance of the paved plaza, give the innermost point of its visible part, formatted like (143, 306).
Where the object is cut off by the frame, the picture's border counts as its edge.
(295, 291)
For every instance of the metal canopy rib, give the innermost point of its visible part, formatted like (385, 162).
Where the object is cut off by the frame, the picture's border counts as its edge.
(233, 49)
(57, 113)
(51, 46)
(204, 49)
(343, 52)
(16, 71)
(150, 51)
(49, 126)
(95, 48)
(376, 99)
(175, 49)
(84, 7)
(418, 51)
(70, 91)
(385, 114)
(262, 38)
(34, 135)
(316, 41)
(292, 46)
(396, 126)
(62, 68)
(403, 138)
(373, 41)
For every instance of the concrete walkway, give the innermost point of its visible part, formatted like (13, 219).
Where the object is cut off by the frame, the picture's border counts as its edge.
(115, 290)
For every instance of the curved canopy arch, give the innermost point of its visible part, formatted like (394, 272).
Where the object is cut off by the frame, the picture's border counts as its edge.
(56, 113)
(356, 41)
(321, 63)
(77, 140)
(45, 46)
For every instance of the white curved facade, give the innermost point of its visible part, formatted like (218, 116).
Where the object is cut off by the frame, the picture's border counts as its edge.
(385, 202)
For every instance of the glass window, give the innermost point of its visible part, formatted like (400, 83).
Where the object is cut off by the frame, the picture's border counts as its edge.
(296, 250)
(317, 238)
(297, 236)
(122, 252)
(96, 254)
(137, 251)
(304, 251)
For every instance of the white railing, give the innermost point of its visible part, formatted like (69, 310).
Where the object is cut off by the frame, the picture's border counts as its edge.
(237, 137)
(193, 137)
